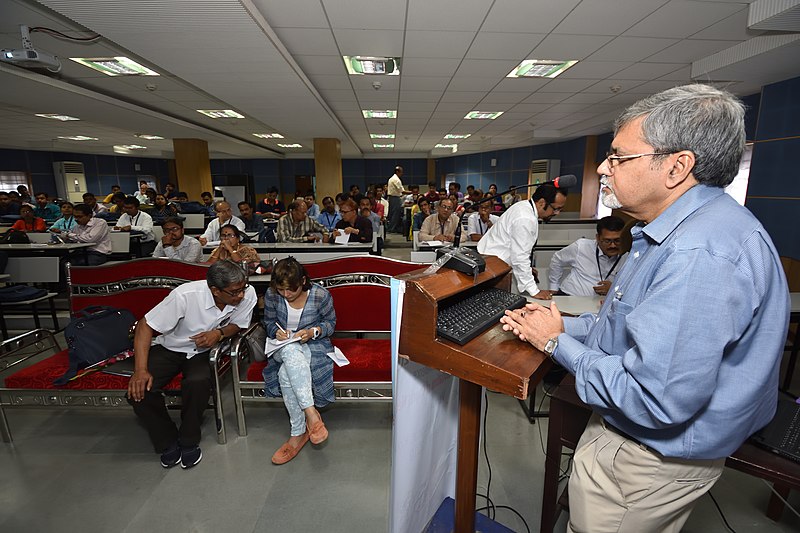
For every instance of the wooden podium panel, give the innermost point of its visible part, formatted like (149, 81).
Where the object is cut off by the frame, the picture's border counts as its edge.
(494, 359)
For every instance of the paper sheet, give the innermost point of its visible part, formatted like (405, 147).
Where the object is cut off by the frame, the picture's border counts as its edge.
(343, 238)
(432, 243)
(338, 357)
(273, 345)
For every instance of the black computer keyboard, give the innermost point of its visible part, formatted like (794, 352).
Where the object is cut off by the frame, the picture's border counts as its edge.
(474, 314)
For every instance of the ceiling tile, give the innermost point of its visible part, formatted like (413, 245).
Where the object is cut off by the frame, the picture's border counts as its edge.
(527, 15)
(594, 70)
(496, 45)
(604, 17)
(563, 85)
(496, 69)
(690, 50)
(418, 66)
(307, 41)
(566, 47)
(672, 21)
(545, 98)
(631, 49)
(425, 83)
(504, 98)
(470, 97)
(455, 15)
(322, 65)
(331, 82)
(420, 96)
(369, 42)
(452, 44)
(471, 83)
(358, 14)
(295, 14)
(647, 71)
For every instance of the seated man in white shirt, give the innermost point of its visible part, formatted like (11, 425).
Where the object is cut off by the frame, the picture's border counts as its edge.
(224, 216)
(593, 263)
(174, 245)
(441, 226)
(175, 338)
(480, 222)
(134, 220)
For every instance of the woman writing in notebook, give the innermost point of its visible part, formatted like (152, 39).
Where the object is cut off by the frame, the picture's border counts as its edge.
(301, 371)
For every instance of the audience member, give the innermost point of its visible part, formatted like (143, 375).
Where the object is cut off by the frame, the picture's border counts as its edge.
(231, 247)
(395, 191)
(329, 215)
(90, 200)
(141, 194)
(473, 200)
(224, 216)
(67, 220)
(24, 195)
(162, 210)
(46, 210)
(354, 190)
(270, 208)
(110, 197)
(313, 208)
(353, 224)
(514, 235)
(511, 197)
(593, 263)
(458, 209)
(497, 200)
(207, 200)
(118, 200)
(296, 226)
(174, 245)
(137, 222)
(383, 211)
(410, 200)
(252, 223)
(455, 188)
(89, 230)
(301, 372)
(423, 212)
(681, 365)
(27, 221)
(182, 329)
(7, 207)
(169, 191)
(441, 226)
(479, 223)
(432, 195)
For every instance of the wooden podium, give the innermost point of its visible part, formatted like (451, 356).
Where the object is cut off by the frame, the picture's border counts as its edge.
(495, 359)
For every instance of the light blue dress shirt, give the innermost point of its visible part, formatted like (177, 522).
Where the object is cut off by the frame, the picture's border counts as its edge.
(64, 224)
(685, 352)
(328, 220)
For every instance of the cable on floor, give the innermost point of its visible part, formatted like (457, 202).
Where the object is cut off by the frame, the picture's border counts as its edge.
(721, 514)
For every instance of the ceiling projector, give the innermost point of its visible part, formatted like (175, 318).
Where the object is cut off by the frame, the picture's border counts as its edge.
(31, 59)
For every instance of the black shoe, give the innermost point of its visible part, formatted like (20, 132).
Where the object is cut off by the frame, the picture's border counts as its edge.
(171, 456)
(190, 456)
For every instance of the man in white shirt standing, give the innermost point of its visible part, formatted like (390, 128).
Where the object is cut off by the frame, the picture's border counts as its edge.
(395, 191)
(513, 237)
(174, 245)
(134, 220)
(479, 223)
(175, 338)
(593, 263)
(224, 216)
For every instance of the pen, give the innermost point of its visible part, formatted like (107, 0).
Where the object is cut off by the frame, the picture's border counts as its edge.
(282, 330)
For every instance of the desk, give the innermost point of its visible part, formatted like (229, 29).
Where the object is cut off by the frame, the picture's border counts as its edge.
(568, 418)
(37, 263)
(304, 252)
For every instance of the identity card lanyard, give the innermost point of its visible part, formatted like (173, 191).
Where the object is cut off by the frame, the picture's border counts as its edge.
(597, 257)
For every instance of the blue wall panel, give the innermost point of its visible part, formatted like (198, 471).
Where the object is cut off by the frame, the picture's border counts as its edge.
(779, 217)
(773, 170)
(779, 114)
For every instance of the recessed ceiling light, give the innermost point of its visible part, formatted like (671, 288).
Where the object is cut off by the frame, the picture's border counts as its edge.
(148, 137)
(457, 135)
(293, 145)
(220, 113)
(359, 65)
(483, 115)
(388, 145)
(376, 113)
(115, 66)
(268, 135)
(540, 68)
(381, 135)
(56, 116)
(78, 138)
(440, 145)
(128, 148)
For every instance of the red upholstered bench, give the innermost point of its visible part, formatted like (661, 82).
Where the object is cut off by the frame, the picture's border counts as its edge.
(361, 296)
(135, 285)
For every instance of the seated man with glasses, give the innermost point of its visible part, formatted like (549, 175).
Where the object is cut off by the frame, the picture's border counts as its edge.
(175, 338)
(359, 228)
(440, 226)
(593, 263)
(513, 237)
(224, 216)
(173, 245)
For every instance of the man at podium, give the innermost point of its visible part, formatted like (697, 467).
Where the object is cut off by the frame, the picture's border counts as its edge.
(681, 364)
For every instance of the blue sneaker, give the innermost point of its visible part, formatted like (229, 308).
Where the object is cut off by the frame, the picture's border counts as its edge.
(190, 456)
(172, 456)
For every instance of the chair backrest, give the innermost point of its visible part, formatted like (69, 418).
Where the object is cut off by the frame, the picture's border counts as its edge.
(137, 285)
(364, 264)
(362, 307)
(194, 221)
(158, 232)
(120, 242)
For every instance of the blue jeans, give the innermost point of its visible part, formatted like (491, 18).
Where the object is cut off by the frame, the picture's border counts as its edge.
(294, 377)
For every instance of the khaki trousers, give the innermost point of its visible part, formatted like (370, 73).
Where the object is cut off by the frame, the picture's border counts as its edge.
(620, 485)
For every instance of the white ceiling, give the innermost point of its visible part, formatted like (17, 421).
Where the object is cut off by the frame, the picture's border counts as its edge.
(280, 64)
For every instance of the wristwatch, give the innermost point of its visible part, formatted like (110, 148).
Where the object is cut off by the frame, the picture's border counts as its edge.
(222, 333)
(550, 347)
(316, 333)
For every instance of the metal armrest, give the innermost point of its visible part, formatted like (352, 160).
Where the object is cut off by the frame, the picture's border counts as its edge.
(19, 349)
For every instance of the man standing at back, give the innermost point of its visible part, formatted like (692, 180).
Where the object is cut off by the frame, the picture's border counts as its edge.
(395, 192)
(681, 364)
(175, 338)
(514, 235)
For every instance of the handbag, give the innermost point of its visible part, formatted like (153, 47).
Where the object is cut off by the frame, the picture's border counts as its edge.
(15, 236)
(95, 334)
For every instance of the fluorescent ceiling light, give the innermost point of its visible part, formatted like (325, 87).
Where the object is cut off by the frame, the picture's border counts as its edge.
(115, 66)
(128, 148)
(389, 145)
(293, 145)
(360, 65)
(381, 135)
(457, 135)
(376, 113)
(78, 138)
(445, 145)
(483, 115)
(56, 116)
(220, 113)
(148, 137)
(268, 135)
(540, 68)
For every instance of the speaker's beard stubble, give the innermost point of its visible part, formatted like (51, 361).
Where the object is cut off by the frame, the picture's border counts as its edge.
(609, 199)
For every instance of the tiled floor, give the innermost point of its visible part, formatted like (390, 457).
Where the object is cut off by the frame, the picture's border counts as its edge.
(90, 471)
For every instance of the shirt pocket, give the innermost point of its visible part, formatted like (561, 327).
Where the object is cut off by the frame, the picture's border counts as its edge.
(614, 337)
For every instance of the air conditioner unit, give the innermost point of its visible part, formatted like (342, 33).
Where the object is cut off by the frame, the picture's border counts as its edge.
(544, 170)
(70, 180)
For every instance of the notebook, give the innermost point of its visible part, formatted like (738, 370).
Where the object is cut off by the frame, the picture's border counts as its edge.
(782, 434)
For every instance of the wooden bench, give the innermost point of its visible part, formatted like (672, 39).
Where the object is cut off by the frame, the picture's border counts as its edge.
(134, 285)
(360, 290)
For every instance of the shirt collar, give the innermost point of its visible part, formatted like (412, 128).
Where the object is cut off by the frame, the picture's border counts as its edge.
(665, 223)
